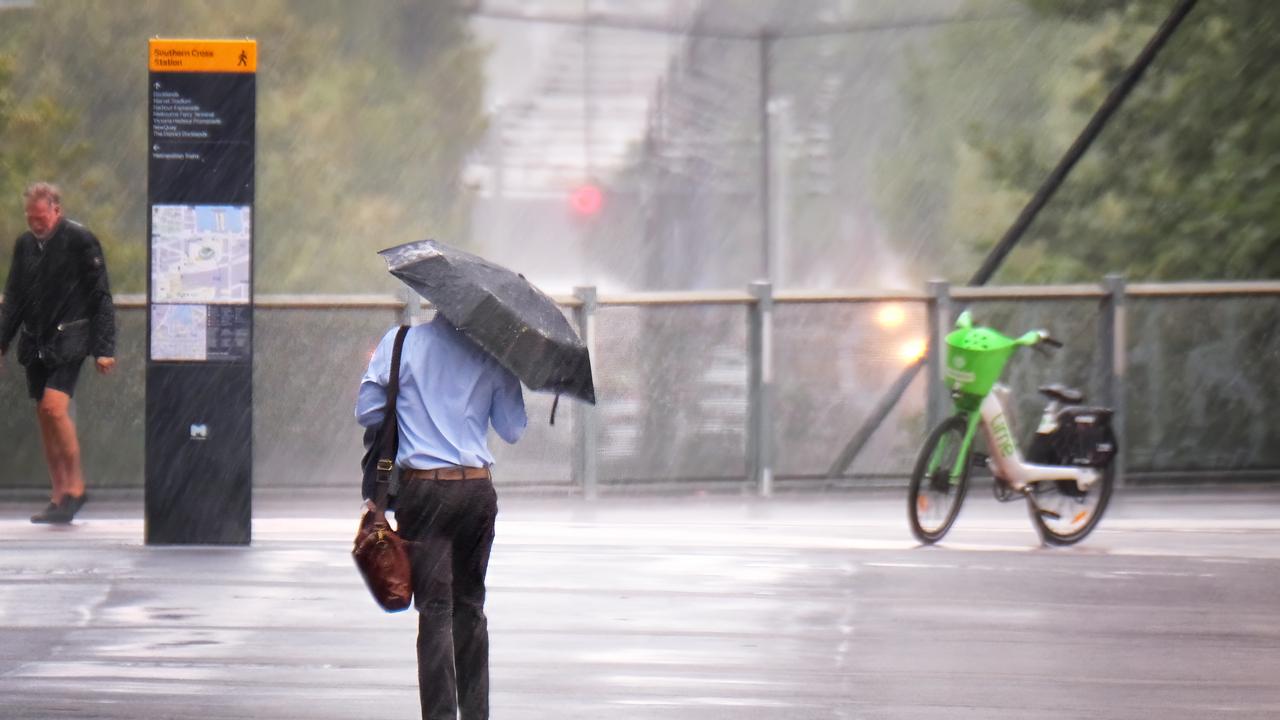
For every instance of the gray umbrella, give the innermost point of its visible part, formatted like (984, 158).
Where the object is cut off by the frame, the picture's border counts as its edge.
(501, 311)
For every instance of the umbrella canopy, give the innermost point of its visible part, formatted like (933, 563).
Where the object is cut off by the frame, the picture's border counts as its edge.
(501, 311)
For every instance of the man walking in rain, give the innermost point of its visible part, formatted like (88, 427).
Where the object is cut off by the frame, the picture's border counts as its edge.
(450, 392)
(58, 299)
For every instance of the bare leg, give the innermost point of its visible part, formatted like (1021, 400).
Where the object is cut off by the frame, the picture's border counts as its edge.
(65, 455)
(50, 458)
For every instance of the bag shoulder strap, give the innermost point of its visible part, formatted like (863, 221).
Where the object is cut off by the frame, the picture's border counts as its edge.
(390, 426)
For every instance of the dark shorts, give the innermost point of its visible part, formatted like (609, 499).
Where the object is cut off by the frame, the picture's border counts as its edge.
(62, 377)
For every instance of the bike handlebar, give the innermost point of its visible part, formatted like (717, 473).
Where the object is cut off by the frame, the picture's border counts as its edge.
(1034, 339)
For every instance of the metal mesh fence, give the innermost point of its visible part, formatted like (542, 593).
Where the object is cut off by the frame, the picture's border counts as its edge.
(673, 382)
(1202, 384)
(834, 360)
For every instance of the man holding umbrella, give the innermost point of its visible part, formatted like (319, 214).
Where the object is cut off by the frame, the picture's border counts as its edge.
(450, 392)
(459, 374)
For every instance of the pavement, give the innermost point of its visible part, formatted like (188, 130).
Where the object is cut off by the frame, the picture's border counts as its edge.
(701, 607)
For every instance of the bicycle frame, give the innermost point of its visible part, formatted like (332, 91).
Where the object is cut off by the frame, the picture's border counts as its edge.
(1004, 458)
(1083, 447)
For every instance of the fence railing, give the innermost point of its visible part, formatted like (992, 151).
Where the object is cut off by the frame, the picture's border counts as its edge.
(755, 390)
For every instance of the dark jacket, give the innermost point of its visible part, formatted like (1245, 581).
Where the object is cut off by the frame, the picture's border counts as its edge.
(62, 282)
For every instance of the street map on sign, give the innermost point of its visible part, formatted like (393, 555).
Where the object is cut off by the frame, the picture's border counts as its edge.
(200, 253)
(179, 332)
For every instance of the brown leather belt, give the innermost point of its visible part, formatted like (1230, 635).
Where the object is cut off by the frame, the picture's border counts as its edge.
(449, 473)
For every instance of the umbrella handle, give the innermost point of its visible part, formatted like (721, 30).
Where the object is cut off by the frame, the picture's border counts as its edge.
(554, 404)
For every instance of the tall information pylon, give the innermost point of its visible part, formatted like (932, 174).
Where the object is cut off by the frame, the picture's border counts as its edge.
(200, 188)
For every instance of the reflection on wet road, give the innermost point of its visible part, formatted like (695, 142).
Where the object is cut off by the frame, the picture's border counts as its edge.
(806, 607)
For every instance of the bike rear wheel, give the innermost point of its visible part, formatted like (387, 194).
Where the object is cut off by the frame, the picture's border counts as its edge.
(1063, 513)
(934, 495)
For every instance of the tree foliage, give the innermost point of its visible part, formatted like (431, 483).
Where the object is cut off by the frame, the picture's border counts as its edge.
(33, 144)
(965, 88)
(365, 115)
(1183, 183)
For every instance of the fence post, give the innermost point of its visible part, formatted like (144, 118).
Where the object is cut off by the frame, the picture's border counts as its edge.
(939, 320)
(760, 440)
(585, 431)
(1112, 342)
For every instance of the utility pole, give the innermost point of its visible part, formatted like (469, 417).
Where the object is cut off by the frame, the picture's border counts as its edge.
(765, 51)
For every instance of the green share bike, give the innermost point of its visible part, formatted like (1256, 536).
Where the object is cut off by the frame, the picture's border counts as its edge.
(1066, 475)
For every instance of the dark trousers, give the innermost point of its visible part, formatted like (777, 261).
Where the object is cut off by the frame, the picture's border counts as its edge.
(451, 526)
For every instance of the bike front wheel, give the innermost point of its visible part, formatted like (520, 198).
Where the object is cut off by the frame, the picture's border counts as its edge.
(1063, 513)
(936, 492)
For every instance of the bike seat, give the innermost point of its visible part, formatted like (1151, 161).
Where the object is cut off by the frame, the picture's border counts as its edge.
(1062, 393)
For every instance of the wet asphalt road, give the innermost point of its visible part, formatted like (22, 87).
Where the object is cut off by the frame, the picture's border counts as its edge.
(815, 606)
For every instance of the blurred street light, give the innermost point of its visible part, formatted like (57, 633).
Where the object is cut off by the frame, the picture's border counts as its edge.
(891, 315)
(912, 350)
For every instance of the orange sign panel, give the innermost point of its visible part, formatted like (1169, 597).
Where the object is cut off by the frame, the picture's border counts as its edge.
(209, 56)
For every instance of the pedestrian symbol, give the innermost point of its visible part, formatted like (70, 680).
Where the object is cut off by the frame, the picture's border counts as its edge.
(244, 58)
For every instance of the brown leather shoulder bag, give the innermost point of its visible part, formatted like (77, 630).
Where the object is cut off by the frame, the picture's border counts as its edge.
(381, 555)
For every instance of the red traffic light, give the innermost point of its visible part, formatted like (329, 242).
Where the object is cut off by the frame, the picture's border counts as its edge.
(586, 200)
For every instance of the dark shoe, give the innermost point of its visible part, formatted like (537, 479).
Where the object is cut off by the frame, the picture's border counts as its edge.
(61, 513)
(71, 505)
(51, 514)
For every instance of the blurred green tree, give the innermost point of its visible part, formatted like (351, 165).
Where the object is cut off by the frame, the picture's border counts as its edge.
(33, 144)
(1183, 183)
(963, 87)
(365, 116)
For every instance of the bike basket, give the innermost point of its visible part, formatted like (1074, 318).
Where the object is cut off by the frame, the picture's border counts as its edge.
(975, 359)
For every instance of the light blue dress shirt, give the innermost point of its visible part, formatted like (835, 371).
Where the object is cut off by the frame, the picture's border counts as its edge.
(450, 391)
